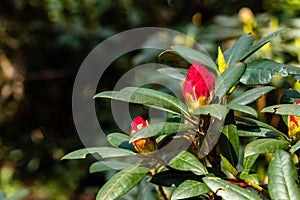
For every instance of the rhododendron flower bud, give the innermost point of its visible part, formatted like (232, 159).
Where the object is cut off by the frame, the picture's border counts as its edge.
(198, 87)
(294, 126)
(143, 145)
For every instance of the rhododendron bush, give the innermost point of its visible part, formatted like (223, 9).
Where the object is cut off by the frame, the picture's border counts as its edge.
(211, 143)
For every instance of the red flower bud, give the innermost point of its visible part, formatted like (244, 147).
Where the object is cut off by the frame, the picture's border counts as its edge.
(293, 125)
(198, 87)
(143, 145)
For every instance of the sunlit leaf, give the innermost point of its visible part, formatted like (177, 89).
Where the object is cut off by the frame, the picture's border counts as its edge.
(228, 191)
(229, 166)
(216, 110)
(295, 147)
(188, 189)
(148, 97)
(119, 140)
(160, 128)
(221, 61)
(236, 52)
(283, 109)
(242, 108)
(248, 162)
(262, 71)
(192, 55)
(251, 95)
(282, 176)
(228, 79)
(186, 161)
(262, 146)
(104, 152)
(122, 182)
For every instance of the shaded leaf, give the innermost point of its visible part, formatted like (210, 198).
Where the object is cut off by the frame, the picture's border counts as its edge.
(248, 162)
(188, 189)
(192, 55)
(228, 191)
(251, 95)
(283, 109)
(262, 146)
(187, 161)
(216, 110)
(119, 140)
(228, 79)
(122, 182)
(229, 166)
(257, 132)
(237, 51)
(161, 128)
(108, 165)
(104, 152)
(262, 71)
(283, 175)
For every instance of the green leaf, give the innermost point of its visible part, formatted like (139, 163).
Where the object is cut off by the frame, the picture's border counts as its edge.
(295, 147)
(160, 128)
(283, 177)
(122, 182)
(261, 42)
(18, 195)
(283, 109)
(186, 161)
(262, 146)
(229, 166)
(228, 79)
(104, 152)
(216, 110)
(228, 191)
(248, 162)
(292, 70)
(108, 165)
(192, 55)
(148, 97)
(244, 109)
(251, 95)
(263, 125)
(188, 189)
(237, 51)
(229, 140)
(175, 73)
(262, 71)
(119, 140)
(257, 132)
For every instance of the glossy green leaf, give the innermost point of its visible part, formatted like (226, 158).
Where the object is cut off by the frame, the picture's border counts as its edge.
(228, 79)
(187, 161)
(175, 73)
(192, 55)
(119, 140)
(237, 51)
(262, 146)
(104, 152)
(228, 191)
(188, 189)
(251, 95)
(122, 182)
(248, 162)
(263, 125)
(292, 69)
(262, 71)
(261, 42)
(257, 132)
(229, 140)
(108, 165)
(283, 109)
(282, 176)
(160, 128)
(216, 110)
(148, 97)
(244, 109)
(295, 147)
(171, 58)
(229, 166)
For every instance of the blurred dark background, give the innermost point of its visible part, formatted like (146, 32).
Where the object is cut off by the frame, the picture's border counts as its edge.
(42, 45)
